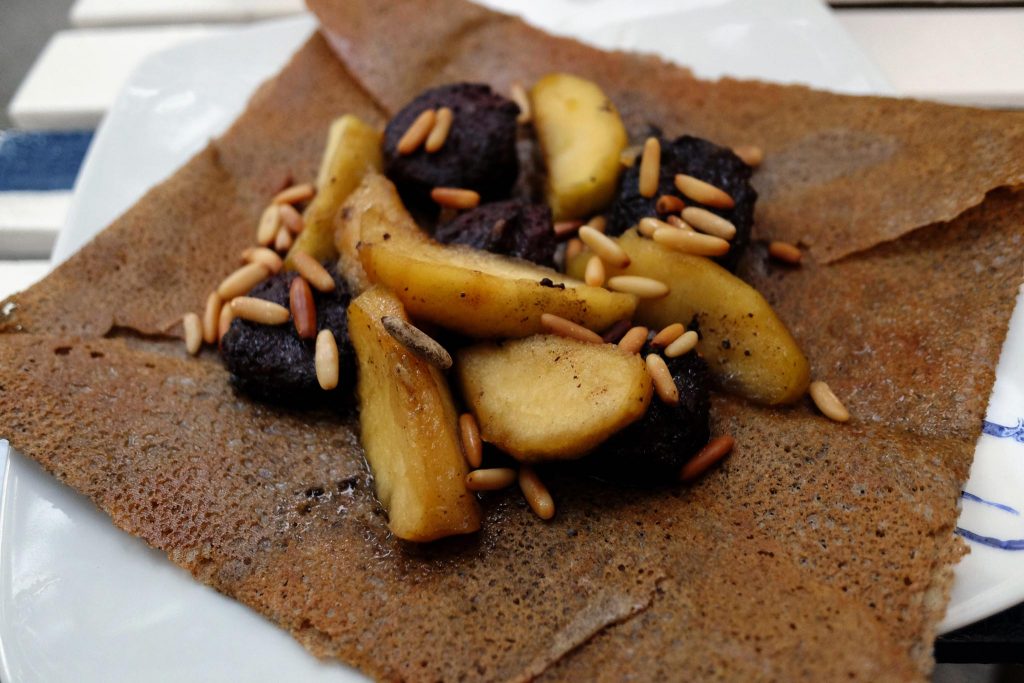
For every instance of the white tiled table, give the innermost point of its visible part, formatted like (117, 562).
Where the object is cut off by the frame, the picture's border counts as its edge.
(971, 55)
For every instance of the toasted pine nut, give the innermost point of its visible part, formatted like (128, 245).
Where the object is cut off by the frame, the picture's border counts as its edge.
(490, 479)
(315, 274)
(616, 331)
(678, 222)
(751, 155)
(784, 251)
(295, 194)
(417, 341)
(827, 402)
(710, 223)
(472, 446)
(594, 274)
(573, 248)
(634, 339)
(668, 335)
(715, 450)
(227, 314)
(565, 228)
(685, 343)
(519, 95)
(439, 133)
(664, 385)
(270, 222)
(648, 226)
(291, 218)
(691, 242)
(303, 308)
(267, 257)
(193, 333)
(599, 223)
(283, 240)
(650, 167)
(455, 197)
(537, 495)
(567, 328)
(326, 360)
(259, 310)
(705, 193)
(642, 287)
(242, 280)
(210, 316)
(417, 132)
(669, 203)
(605, 247)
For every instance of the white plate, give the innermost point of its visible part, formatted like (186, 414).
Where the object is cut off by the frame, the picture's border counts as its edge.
(82, 601)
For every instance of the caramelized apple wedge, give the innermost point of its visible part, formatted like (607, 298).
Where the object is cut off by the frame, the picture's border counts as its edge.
(409, 429)
(478, 293)
(552, 398)
(353, 149)
(747, 347)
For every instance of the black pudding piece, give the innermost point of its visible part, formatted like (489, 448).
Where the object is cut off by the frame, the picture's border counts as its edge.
(512, 227)
(701, 159)
(271, 363)
(654, 449)
(479, 153)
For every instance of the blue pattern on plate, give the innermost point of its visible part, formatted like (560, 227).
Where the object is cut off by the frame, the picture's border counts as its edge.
(990, 541)
(978, 499)
(41, 160)
(1016, 432)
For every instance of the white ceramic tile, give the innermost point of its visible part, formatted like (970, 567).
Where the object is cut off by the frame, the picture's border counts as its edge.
(18, 275)
(79, 73)
(122, 12)
(958, 55)
(30, 221)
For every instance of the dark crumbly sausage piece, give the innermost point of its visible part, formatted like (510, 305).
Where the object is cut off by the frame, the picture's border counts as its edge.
(654, 449)
(512, 227)
(271, 363)
(479, 153)
(700, 159)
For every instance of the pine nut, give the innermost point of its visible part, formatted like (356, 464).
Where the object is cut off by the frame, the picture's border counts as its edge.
(326, 360)
(295, 194)
(227, 314)
(491, 479)
(259, 310)
(648, 226)
(536, 494)
(594, 275)
(751, 155)
(669, 203)
(599, 223)
(210, 316)
(573, 248)
(455, 197)
(522, 99)
(417, 341)
(567, 328)
(785, 252)
(616, 332)
(685, 343)
(291, 218)
(605, 247)
(629, 155)
(283, 240)
(565, 228)
(702, 192)
(677, 222)
(641, 287)
(472, 446)
(439, 133)
(827, 402)
(270, 222)
(664, 385)
(242, 280)
(303, 308)
(417, 132)
(715, 450)
(267, 257)
(633, 341)
(309, 268)
(193, 333)
(668, 335)
(691, 242)
(650, 167)
(709, 223)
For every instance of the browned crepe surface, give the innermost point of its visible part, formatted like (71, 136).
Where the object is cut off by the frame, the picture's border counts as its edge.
(841, 173)
(817, 551)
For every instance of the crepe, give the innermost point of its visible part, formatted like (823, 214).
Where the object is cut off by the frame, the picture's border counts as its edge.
(817, 551)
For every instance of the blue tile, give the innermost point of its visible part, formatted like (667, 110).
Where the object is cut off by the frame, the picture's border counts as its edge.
(41, 160)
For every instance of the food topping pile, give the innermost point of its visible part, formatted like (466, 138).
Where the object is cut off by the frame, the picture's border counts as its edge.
(578, 309)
